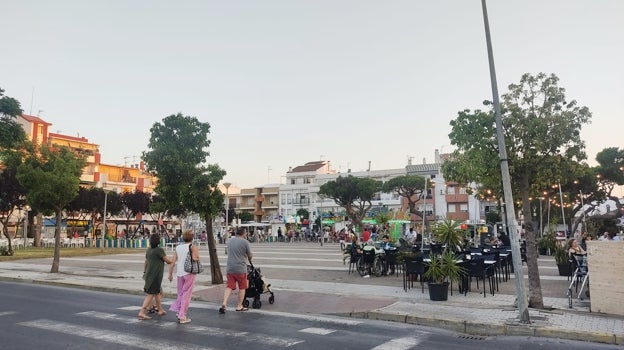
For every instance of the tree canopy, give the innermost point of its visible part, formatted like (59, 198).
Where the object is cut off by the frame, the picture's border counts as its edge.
(14, 146)
(542, 136)
(354, 194)
(178, 149)
(52, 179)
(410, 187)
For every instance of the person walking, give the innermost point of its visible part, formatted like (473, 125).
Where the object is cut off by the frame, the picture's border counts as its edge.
(239, 253)
(153, 270)
(185, 280)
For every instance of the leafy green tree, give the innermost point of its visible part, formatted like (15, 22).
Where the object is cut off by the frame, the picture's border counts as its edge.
(52, 179)
(134, 203)
(13, 148)
(410, 187)
(177, 155)
(245, 216)
(542, 134)
(353, 194)
(597, 184)
(12, 135)
(90, 203)
(303, 213)
(610, 170)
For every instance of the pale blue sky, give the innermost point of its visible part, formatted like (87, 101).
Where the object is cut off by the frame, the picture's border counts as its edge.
(286, 82)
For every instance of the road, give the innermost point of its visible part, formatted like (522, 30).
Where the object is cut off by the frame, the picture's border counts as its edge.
(51, 318)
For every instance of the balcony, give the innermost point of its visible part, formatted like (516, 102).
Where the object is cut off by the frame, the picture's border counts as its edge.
(456, 198)
(86, 178)
(458, 216)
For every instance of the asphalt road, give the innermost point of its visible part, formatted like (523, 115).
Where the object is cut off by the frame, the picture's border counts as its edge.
(51, 318)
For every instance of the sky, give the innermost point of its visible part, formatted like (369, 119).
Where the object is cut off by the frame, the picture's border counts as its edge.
(282, 83)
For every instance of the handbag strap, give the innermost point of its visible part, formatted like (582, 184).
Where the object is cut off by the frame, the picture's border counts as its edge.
(191, 252)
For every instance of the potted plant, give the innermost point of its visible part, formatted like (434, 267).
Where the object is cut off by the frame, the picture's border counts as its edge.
(443, 268)
(547, 243)
(441, 271)
(562, 258)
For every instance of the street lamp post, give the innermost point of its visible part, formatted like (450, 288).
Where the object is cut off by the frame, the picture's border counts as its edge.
(523, 310)
(541, 226)
(26, 209)
(565, 228)
(227, 205)
(104, 219)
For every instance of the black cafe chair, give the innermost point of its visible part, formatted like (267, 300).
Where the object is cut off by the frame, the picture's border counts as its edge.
(414, 268)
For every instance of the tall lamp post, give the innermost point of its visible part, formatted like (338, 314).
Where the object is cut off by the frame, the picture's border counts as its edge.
(523, 308)
(104, 218)
(26, 209)
(227, 205)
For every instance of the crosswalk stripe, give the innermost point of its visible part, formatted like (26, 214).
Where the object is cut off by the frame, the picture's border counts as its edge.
(314, 318)
(319, 331)
(109, 336)
(7, 313)
(398, 344)
(255, 338)
(130, 308)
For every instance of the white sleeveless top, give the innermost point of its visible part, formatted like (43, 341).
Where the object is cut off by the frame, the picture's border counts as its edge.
(182, 251)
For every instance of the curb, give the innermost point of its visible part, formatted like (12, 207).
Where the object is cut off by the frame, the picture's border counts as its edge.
(485, 329)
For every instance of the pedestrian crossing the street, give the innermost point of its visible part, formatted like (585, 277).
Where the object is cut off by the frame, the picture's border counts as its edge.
(329, 326)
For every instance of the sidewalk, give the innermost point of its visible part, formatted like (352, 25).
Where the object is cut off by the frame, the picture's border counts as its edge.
(471, 314)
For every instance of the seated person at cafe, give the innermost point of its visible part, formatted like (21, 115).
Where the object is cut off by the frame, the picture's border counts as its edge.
(355, 246)
(492, 241)
(504, 239)
(385, 243)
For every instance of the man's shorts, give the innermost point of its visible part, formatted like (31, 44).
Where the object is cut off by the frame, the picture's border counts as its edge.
(237, 278)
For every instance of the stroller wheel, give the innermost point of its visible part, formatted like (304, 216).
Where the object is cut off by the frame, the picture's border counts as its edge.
(271, 299)
(245, 303)
(257, 304)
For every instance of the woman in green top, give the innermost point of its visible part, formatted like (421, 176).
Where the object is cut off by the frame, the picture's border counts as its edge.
(155, 259)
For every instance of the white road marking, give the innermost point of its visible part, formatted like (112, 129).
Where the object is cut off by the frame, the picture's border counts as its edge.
(398, 344)
(109, 336)
(130, 308)
(7, 313)
(251, 337)
(313, 318)
(319, 331)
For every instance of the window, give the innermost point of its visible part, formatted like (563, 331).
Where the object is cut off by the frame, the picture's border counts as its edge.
(463, 207)
(450, 190)
(283, 199)
(452, 208)
(307, 180)
(289, 198)
(462, 190)
(292, 181)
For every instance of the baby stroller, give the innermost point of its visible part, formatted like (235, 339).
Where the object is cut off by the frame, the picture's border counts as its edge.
(256, 287)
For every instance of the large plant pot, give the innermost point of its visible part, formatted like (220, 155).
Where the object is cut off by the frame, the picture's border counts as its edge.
(565, 269)
(438, 291)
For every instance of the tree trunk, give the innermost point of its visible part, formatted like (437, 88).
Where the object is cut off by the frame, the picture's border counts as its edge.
(37, 232)
(215, 267)
(57, 242)
(535, 289)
